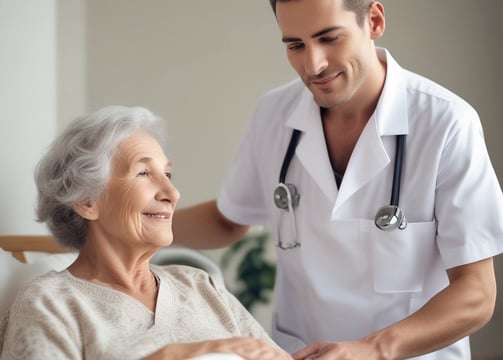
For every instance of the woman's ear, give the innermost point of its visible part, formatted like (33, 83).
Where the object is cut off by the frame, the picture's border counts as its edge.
(376, 19)
(88, 210)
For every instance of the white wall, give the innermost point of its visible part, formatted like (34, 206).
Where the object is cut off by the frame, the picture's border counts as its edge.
(71, 18)
(28, 103)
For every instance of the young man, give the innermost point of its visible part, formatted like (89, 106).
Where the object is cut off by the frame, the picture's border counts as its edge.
(346, 289)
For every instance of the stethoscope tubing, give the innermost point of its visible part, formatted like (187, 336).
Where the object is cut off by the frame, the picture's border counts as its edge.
(388, 217)
(292, 145)
(397, 171)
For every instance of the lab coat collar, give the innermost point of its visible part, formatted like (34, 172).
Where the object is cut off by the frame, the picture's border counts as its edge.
(391, 110)
(305, 113)
(311, 150)
(369, 156)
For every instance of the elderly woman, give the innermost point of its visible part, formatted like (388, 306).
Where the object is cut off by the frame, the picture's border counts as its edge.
(105, 189)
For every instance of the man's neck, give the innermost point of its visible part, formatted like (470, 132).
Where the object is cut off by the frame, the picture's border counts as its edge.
(344, 123)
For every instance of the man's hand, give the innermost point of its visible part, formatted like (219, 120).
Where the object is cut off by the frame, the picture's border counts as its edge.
(352, 350)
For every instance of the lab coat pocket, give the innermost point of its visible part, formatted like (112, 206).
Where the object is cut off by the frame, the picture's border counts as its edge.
(401, 257)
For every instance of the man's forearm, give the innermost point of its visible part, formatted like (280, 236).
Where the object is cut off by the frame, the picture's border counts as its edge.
(202, 226)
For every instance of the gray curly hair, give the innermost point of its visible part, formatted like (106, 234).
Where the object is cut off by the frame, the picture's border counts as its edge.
(76, 167)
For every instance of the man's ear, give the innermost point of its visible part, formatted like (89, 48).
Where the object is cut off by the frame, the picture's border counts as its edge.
(88, 210)
(376, 19)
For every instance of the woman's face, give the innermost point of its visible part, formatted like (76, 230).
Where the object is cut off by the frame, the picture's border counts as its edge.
(138, 203)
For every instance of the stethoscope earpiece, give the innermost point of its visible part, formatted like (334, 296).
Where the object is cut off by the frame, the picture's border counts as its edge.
(390, 217)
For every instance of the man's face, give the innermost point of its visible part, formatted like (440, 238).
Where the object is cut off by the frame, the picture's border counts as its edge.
(327, 48)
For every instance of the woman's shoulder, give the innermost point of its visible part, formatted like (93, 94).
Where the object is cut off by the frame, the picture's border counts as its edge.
(187, 276)
(37, 291)
(180, 272)
(43, 283)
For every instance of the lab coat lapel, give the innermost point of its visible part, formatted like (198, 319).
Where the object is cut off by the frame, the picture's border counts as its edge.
(390, 118)
(311, 150)
(369, 157)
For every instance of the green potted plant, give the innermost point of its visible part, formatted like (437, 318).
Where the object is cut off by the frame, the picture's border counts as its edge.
(255, 274)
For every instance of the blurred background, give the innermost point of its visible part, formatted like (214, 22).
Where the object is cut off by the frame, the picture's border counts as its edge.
(202, 65)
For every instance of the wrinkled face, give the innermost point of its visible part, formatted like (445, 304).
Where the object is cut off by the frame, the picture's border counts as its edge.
(327, 48)
(138, 204)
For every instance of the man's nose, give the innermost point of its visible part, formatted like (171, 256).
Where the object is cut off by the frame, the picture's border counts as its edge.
(315, 60)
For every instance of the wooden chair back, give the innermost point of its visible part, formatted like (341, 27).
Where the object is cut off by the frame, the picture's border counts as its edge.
(18, 244)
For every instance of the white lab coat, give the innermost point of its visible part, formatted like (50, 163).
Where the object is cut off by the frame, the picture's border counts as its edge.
(348, 278)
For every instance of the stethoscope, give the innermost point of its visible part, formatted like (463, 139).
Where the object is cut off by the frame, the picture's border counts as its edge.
(286, 196)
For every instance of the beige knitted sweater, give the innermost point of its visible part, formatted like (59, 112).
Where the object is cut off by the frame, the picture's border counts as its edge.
(59, 316)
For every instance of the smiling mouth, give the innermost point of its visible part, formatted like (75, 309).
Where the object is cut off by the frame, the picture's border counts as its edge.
(162, 216)
(324, 80)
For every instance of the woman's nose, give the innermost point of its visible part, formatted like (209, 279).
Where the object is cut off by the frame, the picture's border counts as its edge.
(168, 191)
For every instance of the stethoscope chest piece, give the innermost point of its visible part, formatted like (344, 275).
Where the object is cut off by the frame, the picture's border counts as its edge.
(390, 217)
(286, 196)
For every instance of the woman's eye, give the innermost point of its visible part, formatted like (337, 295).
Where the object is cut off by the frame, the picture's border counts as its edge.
(168, 175)
(143, 173)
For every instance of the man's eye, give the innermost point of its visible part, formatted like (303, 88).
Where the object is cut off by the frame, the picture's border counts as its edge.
(168, 175)
(329, 39)
(295, 46)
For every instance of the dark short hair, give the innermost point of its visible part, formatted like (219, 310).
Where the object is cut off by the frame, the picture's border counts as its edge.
(359, 7)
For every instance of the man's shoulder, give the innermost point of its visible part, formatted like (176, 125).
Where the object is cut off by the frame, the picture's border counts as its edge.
(282, 99)
(284, 92)
(421, 90)
(294, 86)
(428, 99)
(421, 87)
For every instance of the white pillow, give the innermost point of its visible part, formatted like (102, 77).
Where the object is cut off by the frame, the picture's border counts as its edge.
(14, 274)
